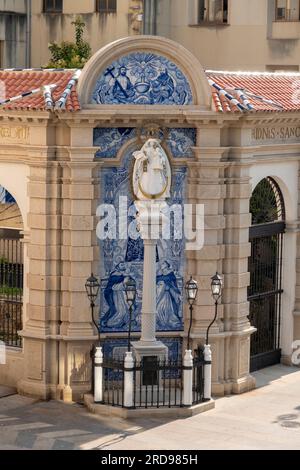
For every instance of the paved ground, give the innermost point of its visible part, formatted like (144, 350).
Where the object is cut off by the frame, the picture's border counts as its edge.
(267, 418)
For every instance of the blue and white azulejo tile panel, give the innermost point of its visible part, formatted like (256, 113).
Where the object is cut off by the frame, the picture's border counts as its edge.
(6, 197)
(143, 78)
(121, 258)
(116, 348)
(109, 141)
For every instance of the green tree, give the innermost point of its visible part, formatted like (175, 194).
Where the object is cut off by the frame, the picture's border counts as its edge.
(70, 55)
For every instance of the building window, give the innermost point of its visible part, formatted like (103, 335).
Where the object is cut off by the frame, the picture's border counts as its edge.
(106, 6)
(53, 6)
(212, 11)
(287, 10)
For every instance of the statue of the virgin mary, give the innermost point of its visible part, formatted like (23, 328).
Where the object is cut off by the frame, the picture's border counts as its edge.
(152, 172)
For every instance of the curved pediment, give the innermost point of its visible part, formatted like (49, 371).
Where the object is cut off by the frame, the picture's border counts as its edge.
(144, 70)
(142, 78)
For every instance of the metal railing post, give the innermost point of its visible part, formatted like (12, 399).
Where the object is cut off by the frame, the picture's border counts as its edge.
(188, 379)
(98, 376)
(207, 372)
(128, 381)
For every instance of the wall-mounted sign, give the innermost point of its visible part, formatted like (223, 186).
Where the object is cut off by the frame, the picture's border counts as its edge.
(269, 135)
(18, 135)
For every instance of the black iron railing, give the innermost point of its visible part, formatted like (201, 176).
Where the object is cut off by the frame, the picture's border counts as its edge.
(156, 383)
(11, 290)
(198, 378)
(113, 370)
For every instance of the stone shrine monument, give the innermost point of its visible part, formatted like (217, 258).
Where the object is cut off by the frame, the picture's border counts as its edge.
(151, 185)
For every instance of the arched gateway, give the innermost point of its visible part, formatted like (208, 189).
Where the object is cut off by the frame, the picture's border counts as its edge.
(68, 149)
(265, 266)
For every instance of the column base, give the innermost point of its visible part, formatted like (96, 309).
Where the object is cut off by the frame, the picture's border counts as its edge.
(234, 387)
(143, 349)
(244, 385)
(33, 389)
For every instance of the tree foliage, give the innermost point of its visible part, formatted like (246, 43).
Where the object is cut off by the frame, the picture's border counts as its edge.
(71, 55)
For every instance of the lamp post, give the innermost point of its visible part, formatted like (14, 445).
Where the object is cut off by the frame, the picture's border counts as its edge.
(216, 290)
(92, 288)
(130, 290)
(191, 289)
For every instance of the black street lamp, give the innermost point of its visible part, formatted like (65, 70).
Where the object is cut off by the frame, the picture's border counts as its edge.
(130, 289)
(216, 290)
(191, 290)
(92, 288)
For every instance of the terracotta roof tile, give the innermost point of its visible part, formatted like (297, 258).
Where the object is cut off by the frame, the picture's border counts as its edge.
(268, 92)
(265, 91)
(18, 82)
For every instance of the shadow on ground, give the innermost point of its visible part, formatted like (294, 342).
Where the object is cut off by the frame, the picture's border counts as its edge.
(29, 424)
(267, 376)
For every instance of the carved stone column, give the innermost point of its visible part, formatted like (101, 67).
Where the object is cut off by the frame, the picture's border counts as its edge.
(149, 292)
(149, 221)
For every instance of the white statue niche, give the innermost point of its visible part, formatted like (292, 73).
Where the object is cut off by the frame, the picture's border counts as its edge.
(152, 172)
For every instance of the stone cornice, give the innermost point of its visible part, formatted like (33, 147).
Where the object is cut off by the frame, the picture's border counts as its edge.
(137, 116)
(134, 115)
(264, 118)
(26, 116)
(212, 152)
(284, 149)
(46, 337)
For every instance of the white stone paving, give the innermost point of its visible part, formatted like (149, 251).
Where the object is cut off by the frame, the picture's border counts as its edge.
(266, 418)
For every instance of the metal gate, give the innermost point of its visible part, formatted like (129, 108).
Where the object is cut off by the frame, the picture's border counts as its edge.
(265, 266)
(11, 287)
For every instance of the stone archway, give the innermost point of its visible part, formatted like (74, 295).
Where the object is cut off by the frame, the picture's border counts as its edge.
(266, 268)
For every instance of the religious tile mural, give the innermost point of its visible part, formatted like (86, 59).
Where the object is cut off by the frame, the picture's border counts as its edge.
(6, 197)
(109, 141)
(143, 78)
(123, 258)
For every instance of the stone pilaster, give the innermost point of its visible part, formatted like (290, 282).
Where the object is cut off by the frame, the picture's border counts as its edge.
(237, 278)
(80, 256)
(206, 187)
(42, 281)
(224, 191)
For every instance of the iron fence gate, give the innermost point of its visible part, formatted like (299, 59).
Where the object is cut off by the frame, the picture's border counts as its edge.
(265, 266)
(11, 287)
(157, 383)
